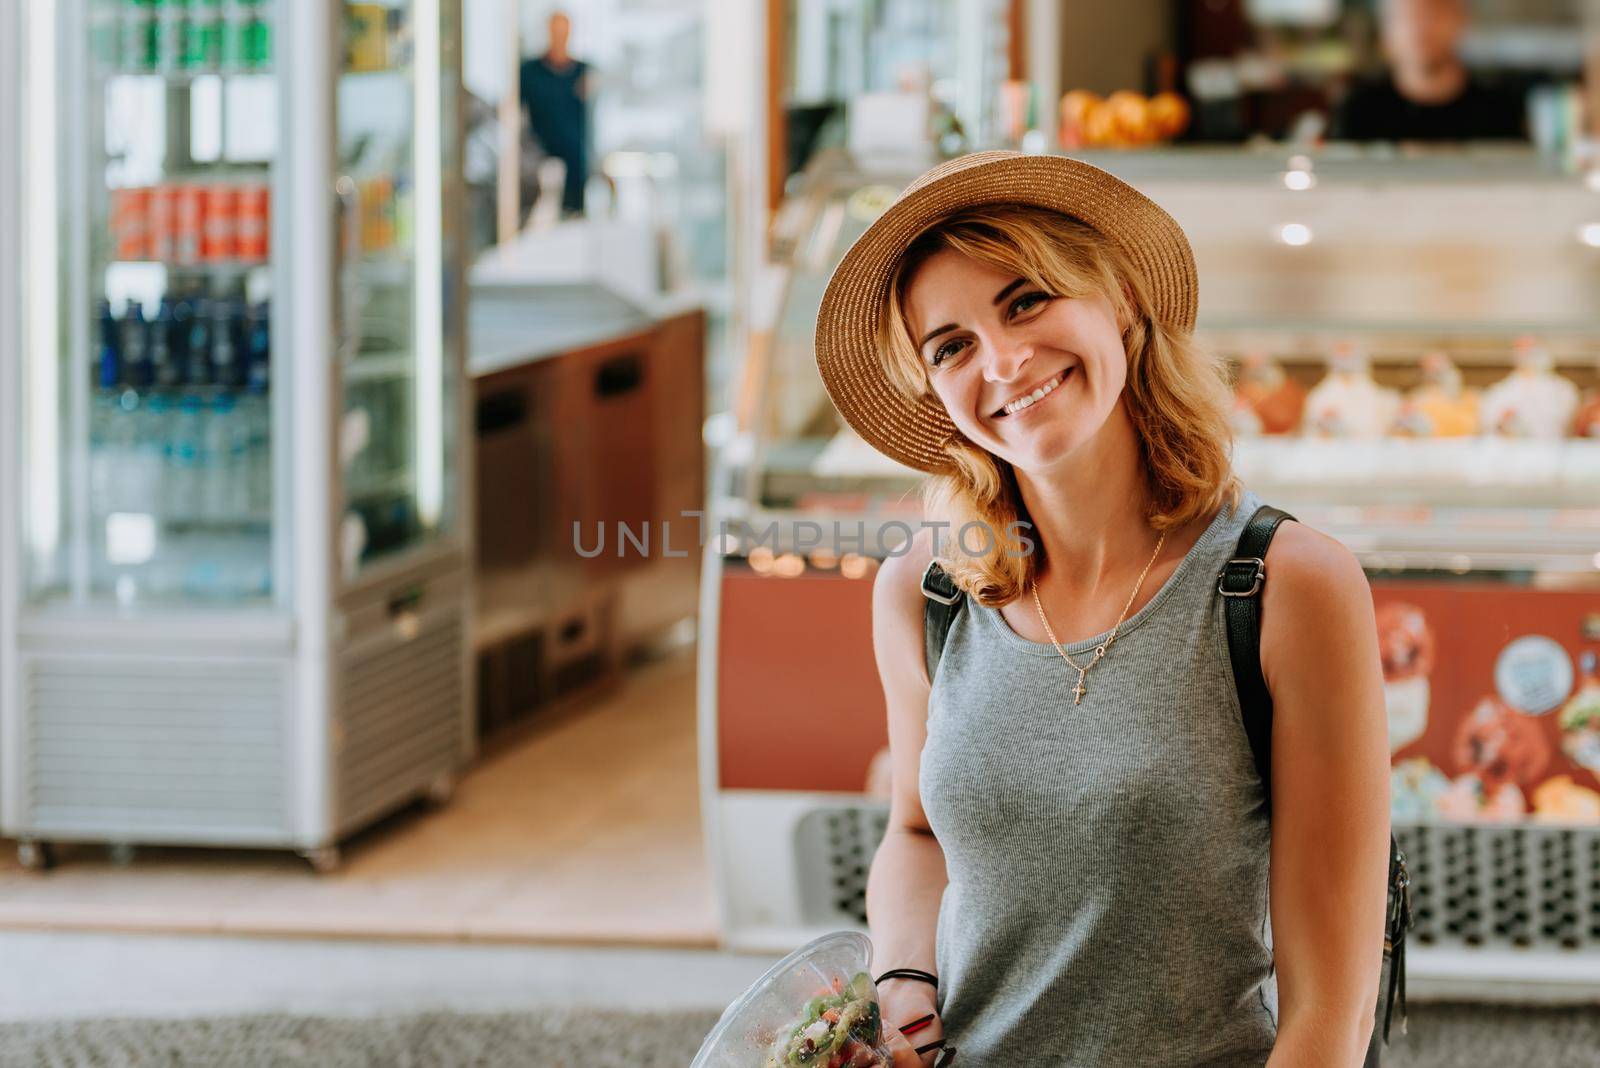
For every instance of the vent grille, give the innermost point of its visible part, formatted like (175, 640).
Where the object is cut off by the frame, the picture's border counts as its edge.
(833, 850)
(1513, 886)
(155, 749)
(1519, 886)
(400, 711)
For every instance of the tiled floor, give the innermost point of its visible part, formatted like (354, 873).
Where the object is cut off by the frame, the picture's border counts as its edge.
(585, 830)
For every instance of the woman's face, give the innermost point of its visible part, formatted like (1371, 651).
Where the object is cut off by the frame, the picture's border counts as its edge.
(989, 339)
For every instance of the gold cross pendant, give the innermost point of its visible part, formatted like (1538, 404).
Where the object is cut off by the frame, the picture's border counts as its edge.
(1078, 691)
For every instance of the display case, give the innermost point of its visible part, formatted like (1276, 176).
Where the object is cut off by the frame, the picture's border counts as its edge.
(234, 579)
(1416, 353)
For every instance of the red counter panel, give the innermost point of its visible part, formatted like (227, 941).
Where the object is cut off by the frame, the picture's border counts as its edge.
(799, 704)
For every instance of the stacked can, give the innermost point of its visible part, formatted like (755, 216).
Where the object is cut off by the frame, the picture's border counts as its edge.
(163, 223)
(190, 223)
(186, 36)
(193, 223)
(246, 35)
(219, 239)
(138, 51)
(254, 215)
(130, 223)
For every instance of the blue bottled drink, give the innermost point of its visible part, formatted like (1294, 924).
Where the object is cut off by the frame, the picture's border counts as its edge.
(107, 452)
(256, 408)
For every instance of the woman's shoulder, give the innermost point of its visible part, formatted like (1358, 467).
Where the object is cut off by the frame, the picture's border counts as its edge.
(898, 604)
(1303, 557)
(1316, 593)
(898, 584)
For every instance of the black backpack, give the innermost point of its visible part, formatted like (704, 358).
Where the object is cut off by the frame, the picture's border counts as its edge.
(1239, 582)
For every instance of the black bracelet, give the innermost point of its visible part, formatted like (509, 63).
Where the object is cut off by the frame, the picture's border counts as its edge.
(908, 973)
(937, 1043)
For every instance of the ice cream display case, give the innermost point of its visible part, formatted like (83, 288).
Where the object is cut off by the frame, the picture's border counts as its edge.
(233, 577)
(1416, 355)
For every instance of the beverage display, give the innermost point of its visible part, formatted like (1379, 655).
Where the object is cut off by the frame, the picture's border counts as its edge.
(180, 441)
(179, 520)
(182, 37)
(193, 221)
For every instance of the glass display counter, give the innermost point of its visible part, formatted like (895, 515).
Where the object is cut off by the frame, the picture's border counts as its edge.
(1415, 348)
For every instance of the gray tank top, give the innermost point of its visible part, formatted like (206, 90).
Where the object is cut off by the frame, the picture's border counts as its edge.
(1107, 902)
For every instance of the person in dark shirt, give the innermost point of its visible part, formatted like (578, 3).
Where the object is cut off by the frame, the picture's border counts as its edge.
(553, 88)
(1428, 94)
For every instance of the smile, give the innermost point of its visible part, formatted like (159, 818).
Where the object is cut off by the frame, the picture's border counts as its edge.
(1028, 400)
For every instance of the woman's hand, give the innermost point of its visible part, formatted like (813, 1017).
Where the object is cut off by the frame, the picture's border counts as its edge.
(903, 1002)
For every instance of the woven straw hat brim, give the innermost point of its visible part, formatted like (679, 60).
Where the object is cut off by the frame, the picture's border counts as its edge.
(852, 368)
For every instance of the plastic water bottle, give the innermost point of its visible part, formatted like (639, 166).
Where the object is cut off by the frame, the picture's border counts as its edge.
(258, 408)
(165, 365)
(107, 457)
(154, 436)
(184, 457)
(135, 347)
(220, 454)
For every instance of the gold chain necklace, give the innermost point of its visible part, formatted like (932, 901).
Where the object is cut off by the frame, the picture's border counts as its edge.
(1100, 650)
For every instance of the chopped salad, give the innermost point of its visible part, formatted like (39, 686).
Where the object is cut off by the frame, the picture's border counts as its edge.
(840, 1028)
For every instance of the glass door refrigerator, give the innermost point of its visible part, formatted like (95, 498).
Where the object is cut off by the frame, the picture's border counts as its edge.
(233, 565)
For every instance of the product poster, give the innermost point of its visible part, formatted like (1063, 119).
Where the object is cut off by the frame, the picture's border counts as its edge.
(1493, 696)
(1493, 700)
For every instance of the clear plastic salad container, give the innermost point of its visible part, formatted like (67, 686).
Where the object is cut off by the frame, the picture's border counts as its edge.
(815, 1008)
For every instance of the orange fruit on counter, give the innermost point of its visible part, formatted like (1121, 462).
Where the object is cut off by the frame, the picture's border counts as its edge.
(1100, 128)
(1169, 113)
(1130, 113)
(1076, 105)
(1075, 109)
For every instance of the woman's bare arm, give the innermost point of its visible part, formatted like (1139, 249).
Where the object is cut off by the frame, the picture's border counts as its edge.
(1330, 798)
(908, 876)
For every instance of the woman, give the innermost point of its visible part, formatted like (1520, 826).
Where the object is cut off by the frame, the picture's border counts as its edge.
(1078, 850)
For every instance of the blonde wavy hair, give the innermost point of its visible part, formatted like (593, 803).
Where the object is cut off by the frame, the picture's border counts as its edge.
(1177, 393)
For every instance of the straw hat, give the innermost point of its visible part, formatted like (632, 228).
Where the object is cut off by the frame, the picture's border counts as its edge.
(847, 323)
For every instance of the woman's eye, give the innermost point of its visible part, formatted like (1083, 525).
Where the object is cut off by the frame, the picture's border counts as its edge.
(946, 351)
(1027, 302)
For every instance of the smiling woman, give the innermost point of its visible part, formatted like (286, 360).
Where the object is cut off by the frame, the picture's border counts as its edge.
(999, 306)
(1079, 851)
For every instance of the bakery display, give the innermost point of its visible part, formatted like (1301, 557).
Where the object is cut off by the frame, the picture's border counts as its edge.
(1348, 402)
(1442, 407)
(1266, 399)
(1533, 401)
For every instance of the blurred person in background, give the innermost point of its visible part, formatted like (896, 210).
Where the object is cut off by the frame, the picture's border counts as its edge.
(554, 88)
(1428, 94)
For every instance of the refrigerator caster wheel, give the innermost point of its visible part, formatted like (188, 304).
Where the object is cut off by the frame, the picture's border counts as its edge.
(121, 853)
(442, 789)
(35, 856)
(324, 860)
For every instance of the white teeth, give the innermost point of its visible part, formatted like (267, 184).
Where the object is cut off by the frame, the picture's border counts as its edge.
(1030, 399)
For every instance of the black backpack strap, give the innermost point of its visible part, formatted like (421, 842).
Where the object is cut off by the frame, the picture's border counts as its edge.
(1240, 582)
(942, 600)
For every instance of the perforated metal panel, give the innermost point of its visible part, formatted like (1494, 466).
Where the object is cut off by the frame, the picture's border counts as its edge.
(155, 749)
(1512, 886)
(1518, 886)
(400, 714)
(833, 850)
